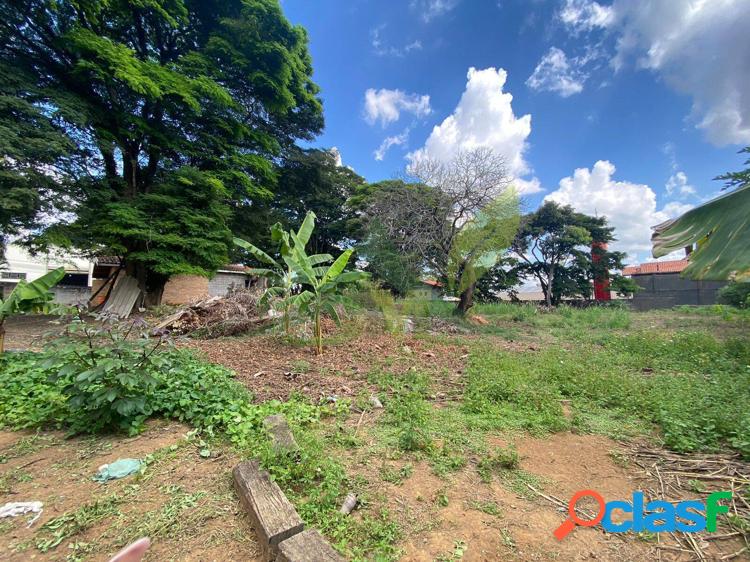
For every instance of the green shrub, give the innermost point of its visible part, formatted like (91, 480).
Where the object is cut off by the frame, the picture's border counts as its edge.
(735, 294)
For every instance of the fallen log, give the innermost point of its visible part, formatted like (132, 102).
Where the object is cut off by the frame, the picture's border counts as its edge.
(282, 437)
(307, 546)
(272, 515)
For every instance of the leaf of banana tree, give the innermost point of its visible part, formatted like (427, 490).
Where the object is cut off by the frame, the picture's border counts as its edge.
(256, 252)
(306, 229)
(337, 267)
(305, 276)
(721, 228)
(332, 312)
(317, 259)
(350, 276)
(38, 289)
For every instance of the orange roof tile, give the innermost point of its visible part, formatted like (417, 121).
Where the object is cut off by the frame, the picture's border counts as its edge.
(672, 266)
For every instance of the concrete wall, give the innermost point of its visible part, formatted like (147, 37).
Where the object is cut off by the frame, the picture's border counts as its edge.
(222, 282)
(71, 295)
(665, 290)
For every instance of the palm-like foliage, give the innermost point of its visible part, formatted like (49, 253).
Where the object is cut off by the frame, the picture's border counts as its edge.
(29, 296)
(281, 279)
(721, 229)
(323, 285)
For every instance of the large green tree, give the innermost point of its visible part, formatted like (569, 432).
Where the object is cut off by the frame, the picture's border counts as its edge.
(165, 113)
(308, 180)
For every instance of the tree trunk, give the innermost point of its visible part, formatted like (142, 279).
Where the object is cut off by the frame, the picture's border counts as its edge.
(465, 301)
(550, 281)
(318, 333)
(150, 283)
(2, 336)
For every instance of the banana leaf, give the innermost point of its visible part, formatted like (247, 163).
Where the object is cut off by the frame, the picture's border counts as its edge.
(721, 229)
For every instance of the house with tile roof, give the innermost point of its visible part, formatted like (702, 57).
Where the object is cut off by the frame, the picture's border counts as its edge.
(662, 286)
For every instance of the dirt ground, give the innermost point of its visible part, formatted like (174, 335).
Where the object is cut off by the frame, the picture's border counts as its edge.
(186, 503)
(182, 500)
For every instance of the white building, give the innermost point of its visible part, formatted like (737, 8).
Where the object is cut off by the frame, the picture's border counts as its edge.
(74, 287)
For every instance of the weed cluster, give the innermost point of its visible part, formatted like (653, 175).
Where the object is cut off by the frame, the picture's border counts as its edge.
(692, 387)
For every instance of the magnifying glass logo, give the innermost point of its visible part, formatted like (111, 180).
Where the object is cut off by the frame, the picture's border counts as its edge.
(569, 524)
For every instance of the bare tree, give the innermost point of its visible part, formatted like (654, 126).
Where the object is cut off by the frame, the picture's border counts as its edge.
(426, 217)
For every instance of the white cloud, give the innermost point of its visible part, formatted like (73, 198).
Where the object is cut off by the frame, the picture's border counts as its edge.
(388, 142)
(527, 187)
(585, 15)
(386, 105)
(555, 73)
(381, 48)
(677, 184)
(430, 9)
(700, 48)
(629, 207)
(483, 118)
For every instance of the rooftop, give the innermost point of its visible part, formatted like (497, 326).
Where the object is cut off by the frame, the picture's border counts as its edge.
(672, 266)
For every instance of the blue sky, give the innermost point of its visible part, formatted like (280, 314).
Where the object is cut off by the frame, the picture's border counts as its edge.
(647, 99)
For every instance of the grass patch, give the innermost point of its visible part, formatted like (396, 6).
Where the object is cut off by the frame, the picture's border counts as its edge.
(692, 387)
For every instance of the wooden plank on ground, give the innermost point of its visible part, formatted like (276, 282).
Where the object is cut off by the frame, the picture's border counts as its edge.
(307, 546)
(123, 297)
(271, 513)
(281, 436)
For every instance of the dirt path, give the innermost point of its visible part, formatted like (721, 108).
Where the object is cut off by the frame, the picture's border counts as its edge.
(183, 501)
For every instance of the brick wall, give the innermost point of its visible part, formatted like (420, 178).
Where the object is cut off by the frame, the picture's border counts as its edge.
(184, 289)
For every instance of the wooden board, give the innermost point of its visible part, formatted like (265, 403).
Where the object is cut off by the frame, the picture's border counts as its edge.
(308, 546)
(123, 297)
(281, 436)
(271, 513)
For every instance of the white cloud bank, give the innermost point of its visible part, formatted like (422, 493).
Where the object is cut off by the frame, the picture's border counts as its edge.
(629, 207)
(386, 105)
(700, 48)
(555, 73)
(484, 118)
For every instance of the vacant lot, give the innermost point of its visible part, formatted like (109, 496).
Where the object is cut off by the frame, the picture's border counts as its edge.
(488, 427)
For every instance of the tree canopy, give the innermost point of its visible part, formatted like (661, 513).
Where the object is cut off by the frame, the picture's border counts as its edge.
(308, 180)
(553, 245)
(452, 222)
(149, 121)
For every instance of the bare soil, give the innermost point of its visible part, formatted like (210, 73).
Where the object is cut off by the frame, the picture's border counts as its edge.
(185, 502)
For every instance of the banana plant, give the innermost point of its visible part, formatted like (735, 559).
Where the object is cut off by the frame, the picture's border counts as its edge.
(282, 279)
(323, 285)
(721, 230)
(29, 296)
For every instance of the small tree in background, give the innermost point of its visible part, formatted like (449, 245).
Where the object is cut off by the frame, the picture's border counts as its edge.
(480, 245)
(426, 219)
(553, 245)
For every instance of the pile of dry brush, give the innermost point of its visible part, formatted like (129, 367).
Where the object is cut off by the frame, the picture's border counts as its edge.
(214, 317)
